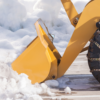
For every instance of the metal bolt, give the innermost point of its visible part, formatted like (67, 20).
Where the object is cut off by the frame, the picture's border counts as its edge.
(53, 77)
(77, 18)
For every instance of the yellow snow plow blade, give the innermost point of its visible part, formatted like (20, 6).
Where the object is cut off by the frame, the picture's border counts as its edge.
(39, 60)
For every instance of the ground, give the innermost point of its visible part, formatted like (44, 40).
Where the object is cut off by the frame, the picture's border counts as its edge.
(84, 86)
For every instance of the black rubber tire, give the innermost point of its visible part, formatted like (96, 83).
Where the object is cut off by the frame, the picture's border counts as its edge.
(94, 52)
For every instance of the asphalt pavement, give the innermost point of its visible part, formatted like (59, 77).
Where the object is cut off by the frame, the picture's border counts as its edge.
(82, 83)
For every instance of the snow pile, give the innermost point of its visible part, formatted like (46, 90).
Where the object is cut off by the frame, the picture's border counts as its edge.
(16, 33)
(29, 4)
(12, 13)
(7, 44)
(14, 86)
(50, 11)
(47, 10)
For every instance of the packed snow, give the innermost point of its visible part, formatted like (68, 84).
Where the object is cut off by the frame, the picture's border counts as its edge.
(17, 18)
(12, 13)
(52, 83)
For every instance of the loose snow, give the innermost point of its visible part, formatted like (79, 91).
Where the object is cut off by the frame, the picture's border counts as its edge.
(52, 83)
(67, 90)
(17, 18)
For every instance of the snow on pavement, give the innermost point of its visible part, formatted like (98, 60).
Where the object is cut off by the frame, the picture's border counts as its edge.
(17, 18)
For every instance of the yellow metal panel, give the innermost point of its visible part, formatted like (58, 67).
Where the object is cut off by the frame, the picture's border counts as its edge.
(52, 47)
(33, 62)
(89, 2)
(41, 35)
(53, 61)
(45, 39)
(38, 60)
(83, 32)
(70, 10)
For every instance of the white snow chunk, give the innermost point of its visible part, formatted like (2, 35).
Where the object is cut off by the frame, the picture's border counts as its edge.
(50, 9)
(67, 90)
(23, 81)
(12, 82)
(52, 83)
(19, 51)
(8, 99)
(12, 13)
(44, 15)
(3, 83)
(44, 86)
(13, 74)
(38, 88)
(4, 70)
(49, 92)
(5, 44)
(18, 95)
(43, 89)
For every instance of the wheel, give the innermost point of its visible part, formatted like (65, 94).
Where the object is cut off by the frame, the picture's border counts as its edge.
(94, 56)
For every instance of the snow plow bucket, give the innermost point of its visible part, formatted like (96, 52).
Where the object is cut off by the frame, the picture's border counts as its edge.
(39, 59)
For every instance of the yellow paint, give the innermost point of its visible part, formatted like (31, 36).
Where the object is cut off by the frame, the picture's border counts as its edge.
(83, 32)
(38, 60)
(70, 10)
